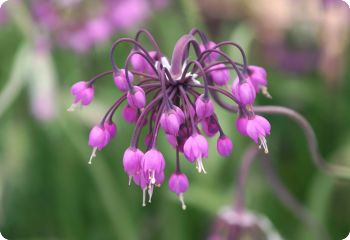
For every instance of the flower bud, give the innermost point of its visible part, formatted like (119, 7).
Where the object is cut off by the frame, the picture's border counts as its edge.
(136, 97)
(130, 114)
(169, 121)
(244, 92)
(224, 146)
(220, 74)
(121, 81)
(204, 107)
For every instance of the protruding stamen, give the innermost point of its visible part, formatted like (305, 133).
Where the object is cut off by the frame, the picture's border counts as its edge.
(263, 144)
(144, 197)
(181, 198)
(130, 178)
(200, 166)
(265, 92)
(93, 155)
(150, 192)
(152, 178)
(74, 106)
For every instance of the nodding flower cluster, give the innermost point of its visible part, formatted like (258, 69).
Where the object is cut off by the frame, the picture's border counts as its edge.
(178, 97)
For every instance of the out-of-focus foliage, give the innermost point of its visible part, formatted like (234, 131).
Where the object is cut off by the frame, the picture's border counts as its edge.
(48, 191)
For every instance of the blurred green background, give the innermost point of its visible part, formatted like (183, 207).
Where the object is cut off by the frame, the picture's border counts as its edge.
(48, 191)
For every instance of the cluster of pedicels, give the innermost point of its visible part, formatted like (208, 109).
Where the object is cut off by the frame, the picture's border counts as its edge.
(178, 97)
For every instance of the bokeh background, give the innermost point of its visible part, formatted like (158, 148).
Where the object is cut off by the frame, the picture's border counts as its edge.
(47, 189)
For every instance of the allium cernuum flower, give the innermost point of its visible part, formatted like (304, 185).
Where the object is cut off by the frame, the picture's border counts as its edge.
(224, 146)
(83, 93)
(121, 81)
(177, 97)
(178, 183)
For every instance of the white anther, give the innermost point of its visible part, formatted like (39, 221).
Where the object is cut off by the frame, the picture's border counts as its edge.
(93, 155)
(130, 178)
(265, 92)
(200, 166)
(74, 106)
(181, 198)
(263, 144)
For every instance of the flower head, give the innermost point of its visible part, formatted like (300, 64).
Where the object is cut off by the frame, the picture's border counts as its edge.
(178, 96)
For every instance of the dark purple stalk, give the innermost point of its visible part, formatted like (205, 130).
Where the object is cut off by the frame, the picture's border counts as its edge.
(151, 39)
(127, 40)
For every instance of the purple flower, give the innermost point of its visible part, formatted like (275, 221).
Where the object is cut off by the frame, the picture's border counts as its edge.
(210, 126)
(176, 96)
(220, 74)
(212, 56)
(258, 77)
(132, 162)
(256, 127)
(204, 107)
(83, 93)
(196, 148)
(120, 80)
(98, 139)
(129, 114)
(244, 92)
(224, 146)
(153, 164)
(178, 183)
(140, 64)
(170, 122)
(136, 97)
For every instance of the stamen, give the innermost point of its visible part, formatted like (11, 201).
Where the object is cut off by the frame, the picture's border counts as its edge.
(144, 197)
(150, 192)
(93, 155)
(200, 166)
(74, 106)
(130, 178)
(181, 198)
(265, 92)
(152, 177)
(263, 144)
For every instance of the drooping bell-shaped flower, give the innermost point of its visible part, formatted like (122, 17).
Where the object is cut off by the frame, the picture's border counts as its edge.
(244, 92)
(140, 64)
(256, 127)
(210, 126)
(132, 162)
(196, 148)
(121, 81)
(83, 95)
(136, 97)
(152, 164)
(258, 77)
(129, 114)
(178, 183)
(211, 56)
(224, 146)
(111, 128)
(219, 74)
(204, 107)
(98, 139)
(170, 122)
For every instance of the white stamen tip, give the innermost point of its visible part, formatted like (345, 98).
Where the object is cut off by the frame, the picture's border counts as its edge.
(183, 205)
(200, 166)
(144, 197)
(75, 106)
(130, 178)
(93, 155)
(263, 144)
(265, 92)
